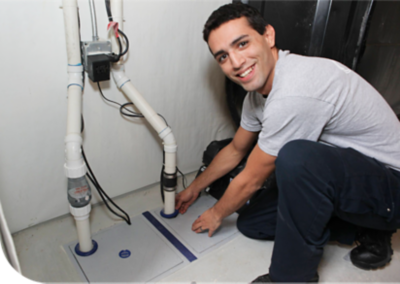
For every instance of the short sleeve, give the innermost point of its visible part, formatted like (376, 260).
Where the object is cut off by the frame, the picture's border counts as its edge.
(292, 118)
(252, 113)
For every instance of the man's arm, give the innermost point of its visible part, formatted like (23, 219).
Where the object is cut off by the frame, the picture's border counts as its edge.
(226, 160)
(258, 167)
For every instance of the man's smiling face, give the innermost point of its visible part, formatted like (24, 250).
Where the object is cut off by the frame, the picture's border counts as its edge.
(245, 56)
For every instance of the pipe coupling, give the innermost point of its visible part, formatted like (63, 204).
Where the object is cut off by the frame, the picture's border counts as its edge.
(75, 76)
(170, 148)
(164, 133)
(170, 181)
(81, 213)
(118, 72)
(74, 166)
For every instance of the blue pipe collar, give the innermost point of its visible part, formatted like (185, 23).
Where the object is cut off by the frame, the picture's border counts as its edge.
(169, 216)
(80, 253)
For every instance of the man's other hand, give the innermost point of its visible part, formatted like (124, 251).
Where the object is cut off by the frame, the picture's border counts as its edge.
(184, 199)
(207, 221)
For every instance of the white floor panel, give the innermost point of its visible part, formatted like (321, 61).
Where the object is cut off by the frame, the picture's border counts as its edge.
(238, 260)
(181, 227)
(150, 255)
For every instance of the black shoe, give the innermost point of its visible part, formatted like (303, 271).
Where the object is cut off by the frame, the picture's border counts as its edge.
(265, 279)
(374, 249)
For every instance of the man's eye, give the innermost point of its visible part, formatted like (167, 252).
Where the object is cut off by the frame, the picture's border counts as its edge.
(222, 58)
(243, 43)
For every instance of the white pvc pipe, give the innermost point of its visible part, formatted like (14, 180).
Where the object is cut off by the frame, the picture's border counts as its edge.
(81, 216)
(169, 202)
(170, 162)
(74, 165)
(164, 132)
(84, 235)
(152, 117)
(74, 109)
(116, 11)
(8, 242)
(70, 10)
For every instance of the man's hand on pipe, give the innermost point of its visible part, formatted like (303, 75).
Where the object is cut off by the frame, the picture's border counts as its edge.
(207, 221)
(184, 199)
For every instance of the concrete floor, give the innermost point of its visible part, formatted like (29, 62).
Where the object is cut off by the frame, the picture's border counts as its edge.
(43, 259)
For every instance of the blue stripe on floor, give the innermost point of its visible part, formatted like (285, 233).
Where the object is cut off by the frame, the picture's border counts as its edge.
(190, 256)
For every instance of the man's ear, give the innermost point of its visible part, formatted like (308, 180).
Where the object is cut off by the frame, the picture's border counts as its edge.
(269, 35)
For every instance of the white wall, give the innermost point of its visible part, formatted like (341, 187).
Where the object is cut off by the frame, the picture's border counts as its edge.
(168, 63)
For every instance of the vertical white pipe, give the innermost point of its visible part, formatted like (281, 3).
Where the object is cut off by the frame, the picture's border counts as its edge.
(70, 9)
(169, 202)
(74, 110)
(8, 242)
(116, 10)
(85, 241)
(170, 162)
(74, 166)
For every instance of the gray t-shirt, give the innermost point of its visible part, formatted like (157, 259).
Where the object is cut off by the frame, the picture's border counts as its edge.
(322, 100)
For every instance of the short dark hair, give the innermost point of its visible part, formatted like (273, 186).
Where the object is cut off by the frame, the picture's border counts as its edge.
(233, 11)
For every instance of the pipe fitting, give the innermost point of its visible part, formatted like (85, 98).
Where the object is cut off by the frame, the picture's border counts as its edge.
(74, 166)
(81, 213)
(118, 72)
(170, 148)
(75, 76)
(169, 140)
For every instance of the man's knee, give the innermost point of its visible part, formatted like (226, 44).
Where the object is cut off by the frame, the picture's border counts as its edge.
(255, 232)
(294, 153)
(292, 158)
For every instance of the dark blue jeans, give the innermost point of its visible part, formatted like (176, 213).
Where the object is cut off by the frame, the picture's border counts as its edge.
(317, 182)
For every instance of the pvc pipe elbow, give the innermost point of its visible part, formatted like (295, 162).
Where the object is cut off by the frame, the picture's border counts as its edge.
(169, 140)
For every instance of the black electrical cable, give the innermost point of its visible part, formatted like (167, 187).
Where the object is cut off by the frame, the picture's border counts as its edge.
(126, 42)
(134, 114)
(114, 57)
(99, 189)
(102, 193)
(108, 8)
(123, 107)
(183, 178)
